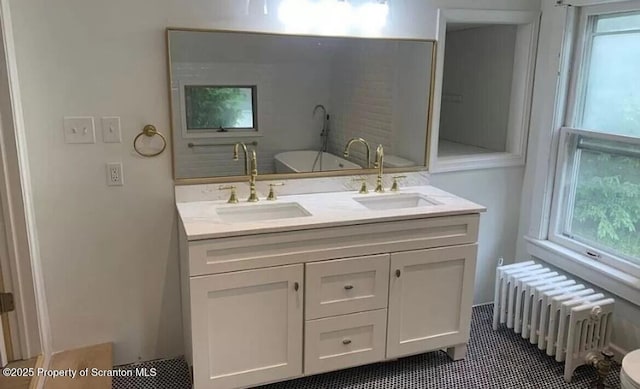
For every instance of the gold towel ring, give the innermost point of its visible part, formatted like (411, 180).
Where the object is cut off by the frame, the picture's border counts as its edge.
(150, 130)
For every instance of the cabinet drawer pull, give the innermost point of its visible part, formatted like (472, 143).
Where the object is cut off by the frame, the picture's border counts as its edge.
(398, 273)
(348, 287)
(296, 286)
(346, 341)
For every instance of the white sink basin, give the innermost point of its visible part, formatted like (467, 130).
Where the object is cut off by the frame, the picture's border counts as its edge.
(396, 201)
(260, 212)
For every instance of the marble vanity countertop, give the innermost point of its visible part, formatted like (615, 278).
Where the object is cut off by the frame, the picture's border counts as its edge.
(201, 221)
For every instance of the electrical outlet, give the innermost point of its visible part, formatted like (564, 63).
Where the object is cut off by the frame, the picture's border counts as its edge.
(114, 174)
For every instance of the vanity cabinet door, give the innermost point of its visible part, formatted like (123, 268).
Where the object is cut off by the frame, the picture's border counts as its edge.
(247, 327)
(430, 297)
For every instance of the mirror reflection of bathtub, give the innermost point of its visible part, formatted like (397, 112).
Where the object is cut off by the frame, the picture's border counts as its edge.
(310, 160)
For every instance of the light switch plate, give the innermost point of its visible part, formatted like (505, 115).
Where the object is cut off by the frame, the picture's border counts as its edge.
(79, 129)
(111, 130)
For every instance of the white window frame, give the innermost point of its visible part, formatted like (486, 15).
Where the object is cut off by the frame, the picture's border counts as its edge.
(561, 197)
(556, 73)
(580, 65)
(521, 91)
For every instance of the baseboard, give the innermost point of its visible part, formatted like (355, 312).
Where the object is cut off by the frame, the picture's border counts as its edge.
(45, 364)
(618, 352)
(37, 382)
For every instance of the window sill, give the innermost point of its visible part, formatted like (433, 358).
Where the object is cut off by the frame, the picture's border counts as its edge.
(222, 135)
(454, 163)
(606, 277)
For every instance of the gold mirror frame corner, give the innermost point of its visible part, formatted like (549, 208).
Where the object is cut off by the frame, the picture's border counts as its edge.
(289, 176)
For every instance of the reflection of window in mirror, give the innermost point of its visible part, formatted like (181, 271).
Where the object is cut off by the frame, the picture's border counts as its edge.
(485, 70)
(220, 108)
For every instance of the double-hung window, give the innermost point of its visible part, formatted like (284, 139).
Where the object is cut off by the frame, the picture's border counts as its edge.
(596, 201)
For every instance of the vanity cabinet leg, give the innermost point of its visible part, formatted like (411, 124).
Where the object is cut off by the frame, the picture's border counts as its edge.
(458, 352)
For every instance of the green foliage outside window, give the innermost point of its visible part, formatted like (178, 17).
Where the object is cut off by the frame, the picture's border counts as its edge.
(607, 202)
(210, 107)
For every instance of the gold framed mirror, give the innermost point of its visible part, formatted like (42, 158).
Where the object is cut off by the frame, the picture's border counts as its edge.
(296, 100)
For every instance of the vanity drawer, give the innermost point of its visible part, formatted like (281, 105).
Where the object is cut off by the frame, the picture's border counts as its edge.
(343, 341)
(346, 286)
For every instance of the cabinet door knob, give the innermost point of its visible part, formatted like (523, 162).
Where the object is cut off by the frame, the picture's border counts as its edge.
(348, 287)
(398, 273)
(346, 341)
(296, 286)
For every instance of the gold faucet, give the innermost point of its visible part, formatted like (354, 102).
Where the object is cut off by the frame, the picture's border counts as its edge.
(233, 197)
(250, 168)
(246, 155)
(395, 187)
(253, 197)
(272, 193)
(365, 143)
(363, 186)
(378, 165)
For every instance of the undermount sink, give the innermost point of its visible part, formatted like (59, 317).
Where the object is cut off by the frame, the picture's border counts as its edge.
(260, 212)
(396, 201)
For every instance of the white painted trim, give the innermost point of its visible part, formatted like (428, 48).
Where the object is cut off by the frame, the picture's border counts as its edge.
(584, 3)
(4, 357)
(46, 364)
(25, 180)
(14, 259)
(575, 68)
(539, 179)
(604, 276)
(485, 16)
(521, 94)
(618, 352)
(477, 161)
(11, 264)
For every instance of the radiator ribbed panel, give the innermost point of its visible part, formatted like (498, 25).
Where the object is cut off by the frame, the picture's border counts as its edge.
(564, 318)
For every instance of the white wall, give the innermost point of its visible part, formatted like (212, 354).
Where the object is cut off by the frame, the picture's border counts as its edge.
(109, 253)
(498, 190)
(478, 70)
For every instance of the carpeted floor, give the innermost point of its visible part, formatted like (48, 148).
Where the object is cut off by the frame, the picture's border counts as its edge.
(499, 359)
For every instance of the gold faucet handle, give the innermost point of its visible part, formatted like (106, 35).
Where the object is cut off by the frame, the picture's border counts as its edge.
(363, 187)
(395, 187)
(272, 192)
(233, 197)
